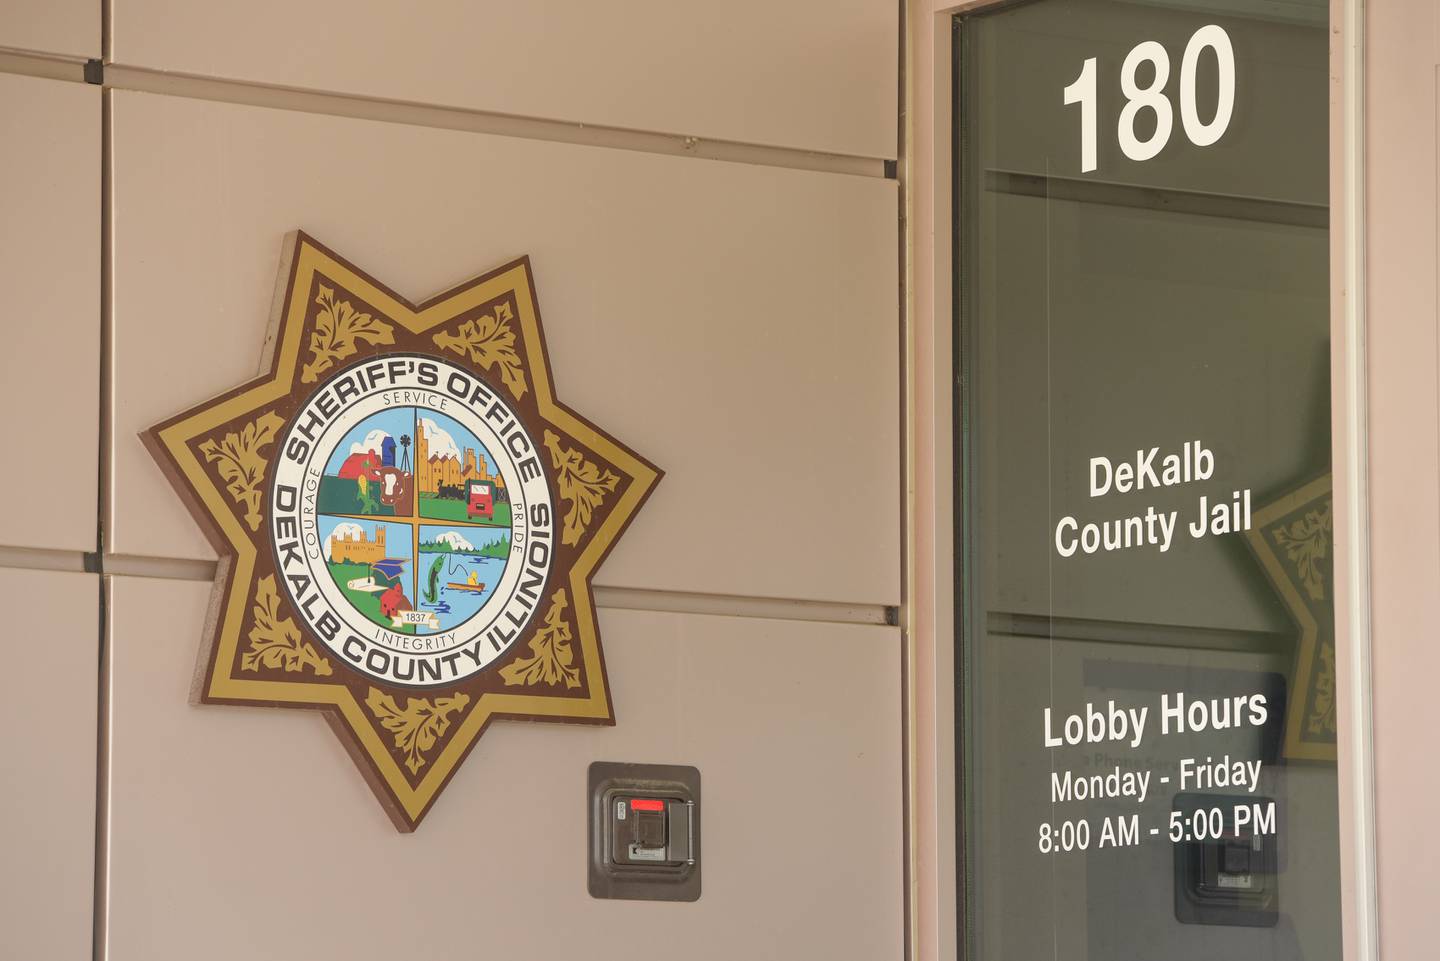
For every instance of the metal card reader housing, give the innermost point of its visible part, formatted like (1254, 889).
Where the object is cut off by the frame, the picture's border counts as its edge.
(644, 832)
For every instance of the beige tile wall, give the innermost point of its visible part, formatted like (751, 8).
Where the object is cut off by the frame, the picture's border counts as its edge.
(1402, 257)
(735, 322)
(69, 27)
(47, 806)
(811, 74)
(240, 833)
(50, 310)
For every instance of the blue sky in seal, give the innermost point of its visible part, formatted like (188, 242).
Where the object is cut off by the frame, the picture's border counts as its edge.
(370, 432)
(460, 435)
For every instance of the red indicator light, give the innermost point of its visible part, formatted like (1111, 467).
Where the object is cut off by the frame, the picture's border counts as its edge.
(646, 804)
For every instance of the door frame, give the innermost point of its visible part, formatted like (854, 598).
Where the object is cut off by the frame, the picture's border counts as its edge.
(933, 837)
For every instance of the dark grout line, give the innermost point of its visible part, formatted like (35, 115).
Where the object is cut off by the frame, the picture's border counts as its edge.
(95, 563)
(893, 171)
(101, 880)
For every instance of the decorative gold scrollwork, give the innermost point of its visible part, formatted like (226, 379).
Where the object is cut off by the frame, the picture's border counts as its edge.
(1307, 544)
(489, 340)
(419, 725)
(583, 483)
(240, 462)
(275, 641)
(551, 659)
(1322, 714)
(339, 328)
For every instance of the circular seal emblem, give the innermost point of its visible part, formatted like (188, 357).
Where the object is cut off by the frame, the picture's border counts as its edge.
(413, 518)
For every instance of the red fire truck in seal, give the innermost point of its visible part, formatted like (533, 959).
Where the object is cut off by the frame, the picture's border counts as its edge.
(480, 500)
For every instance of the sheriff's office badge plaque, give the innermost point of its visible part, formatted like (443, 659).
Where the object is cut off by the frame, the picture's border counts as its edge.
(408, 520)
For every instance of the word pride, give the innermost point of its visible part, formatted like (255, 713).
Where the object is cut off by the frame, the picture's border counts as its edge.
(1151, 469)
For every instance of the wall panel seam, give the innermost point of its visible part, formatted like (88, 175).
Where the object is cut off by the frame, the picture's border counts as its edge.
(357, 106)
(95, 561)
(615, 598)
(36, 63)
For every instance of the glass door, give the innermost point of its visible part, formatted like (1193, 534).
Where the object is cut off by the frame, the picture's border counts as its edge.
(1147, 674)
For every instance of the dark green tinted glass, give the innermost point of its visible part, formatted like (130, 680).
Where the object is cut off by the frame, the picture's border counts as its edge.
(1147, 717)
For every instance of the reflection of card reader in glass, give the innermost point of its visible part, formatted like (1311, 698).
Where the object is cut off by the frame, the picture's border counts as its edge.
(1226, 867)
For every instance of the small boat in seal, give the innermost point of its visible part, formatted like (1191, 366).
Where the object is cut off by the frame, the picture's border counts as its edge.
(473, 585)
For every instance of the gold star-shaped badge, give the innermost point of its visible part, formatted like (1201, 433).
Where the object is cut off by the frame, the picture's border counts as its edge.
(408, 521)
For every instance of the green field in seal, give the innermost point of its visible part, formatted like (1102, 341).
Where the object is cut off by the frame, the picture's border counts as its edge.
(447, 509)
(341, 495)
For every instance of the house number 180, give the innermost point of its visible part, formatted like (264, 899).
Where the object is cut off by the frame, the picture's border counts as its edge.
(1152, 97)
